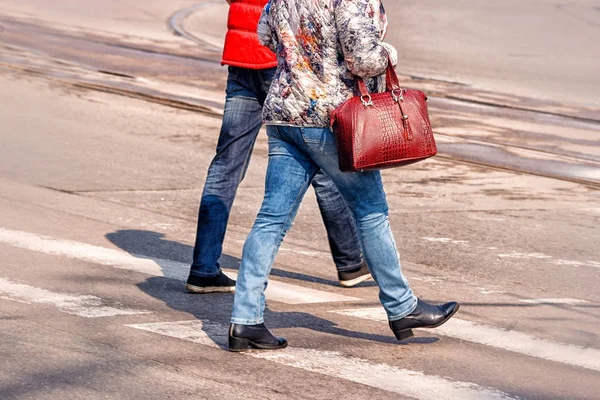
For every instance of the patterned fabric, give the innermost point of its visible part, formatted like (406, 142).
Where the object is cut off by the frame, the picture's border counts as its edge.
(321, 45)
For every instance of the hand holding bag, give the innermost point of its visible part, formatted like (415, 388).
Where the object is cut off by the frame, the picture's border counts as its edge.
(383, 130)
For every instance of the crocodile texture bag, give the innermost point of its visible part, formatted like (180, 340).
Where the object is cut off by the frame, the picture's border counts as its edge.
(383, 130)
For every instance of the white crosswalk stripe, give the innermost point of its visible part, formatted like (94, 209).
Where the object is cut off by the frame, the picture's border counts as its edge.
(82, 305)
(571, 302)
(382, 376)
(277, 291)
(516, 342)
(91, 306)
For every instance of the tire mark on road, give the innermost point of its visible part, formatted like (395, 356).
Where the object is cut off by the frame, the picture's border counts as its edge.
(176, 21)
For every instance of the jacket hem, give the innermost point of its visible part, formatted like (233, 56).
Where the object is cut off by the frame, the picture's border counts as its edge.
(249, 65)
(304, 125)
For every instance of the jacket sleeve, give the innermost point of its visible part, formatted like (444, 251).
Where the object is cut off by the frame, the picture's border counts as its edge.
(266, 35)
(361, 26)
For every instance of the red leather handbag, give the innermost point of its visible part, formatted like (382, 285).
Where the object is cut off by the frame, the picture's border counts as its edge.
(383, 130)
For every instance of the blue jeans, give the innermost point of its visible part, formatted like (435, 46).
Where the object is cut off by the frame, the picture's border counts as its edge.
(242, 120)
(295, 156)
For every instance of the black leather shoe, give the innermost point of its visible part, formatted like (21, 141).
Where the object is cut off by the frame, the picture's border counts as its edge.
(424, 316)
(355, 276)
(219, 283)
(243, 337)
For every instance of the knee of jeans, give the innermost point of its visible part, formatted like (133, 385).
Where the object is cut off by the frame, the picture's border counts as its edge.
(226, 167)
(222, 181)
(371, 221)
(272, 222)
(274, 225)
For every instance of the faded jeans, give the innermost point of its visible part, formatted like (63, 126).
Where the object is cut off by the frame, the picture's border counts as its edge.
(242, 120)
(295, 156)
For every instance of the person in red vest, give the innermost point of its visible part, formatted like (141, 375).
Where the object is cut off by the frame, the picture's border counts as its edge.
(251, 68)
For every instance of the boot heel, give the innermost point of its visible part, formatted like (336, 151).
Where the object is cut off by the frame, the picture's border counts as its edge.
(238, 344)
(403, 335)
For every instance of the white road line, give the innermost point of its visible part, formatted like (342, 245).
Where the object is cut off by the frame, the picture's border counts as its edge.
(515, 254)
(592, 209)
(82, 305)
(277, 291)
(551, 260)
(445, 240)
(382, 376)
(516, 342)
(478, 218)
(573, 263)
(554, 301)
(484, 291)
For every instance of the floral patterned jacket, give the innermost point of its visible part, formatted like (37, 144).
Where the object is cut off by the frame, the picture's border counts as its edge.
(321, 46)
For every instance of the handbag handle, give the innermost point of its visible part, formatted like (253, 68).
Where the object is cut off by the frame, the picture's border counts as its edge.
(391, 80)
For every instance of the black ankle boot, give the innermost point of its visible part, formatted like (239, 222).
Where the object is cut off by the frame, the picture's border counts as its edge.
(243, 337)
(424, 316)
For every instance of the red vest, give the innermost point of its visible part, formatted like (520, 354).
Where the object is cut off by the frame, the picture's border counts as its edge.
(242, 48)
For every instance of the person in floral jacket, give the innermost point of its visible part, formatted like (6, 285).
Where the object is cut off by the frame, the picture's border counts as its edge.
(310, 57)
(322, 48)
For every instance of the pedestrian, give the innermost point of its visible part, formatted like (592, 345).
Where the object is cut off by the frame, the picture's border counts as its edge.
(251, 68)
(321, 46)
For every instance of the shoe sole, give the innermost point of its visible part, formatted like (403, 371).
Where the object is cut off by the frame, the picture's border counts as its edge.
(356, 281)
(209, 289)
(403, 335)
(407, 333)
(239, 345)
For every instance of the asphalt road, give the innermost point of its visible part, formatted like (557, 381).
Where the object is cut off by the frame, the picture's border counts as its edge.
(537, 49)
(108, 123)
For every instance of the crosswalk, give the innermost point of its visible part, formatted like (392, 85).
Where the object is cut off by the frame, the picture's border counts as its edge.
(390, 378)
(88, 306)
(277, 291)
(335, 364)
(517, 342)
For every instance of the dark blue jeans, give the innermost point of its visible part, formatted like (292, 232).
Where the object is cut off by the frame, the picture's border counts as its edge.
(242, 120)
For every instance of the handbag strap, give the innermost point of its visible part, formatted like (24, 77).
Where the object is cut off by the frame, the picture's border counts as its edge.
(391, 80)
(362, 87)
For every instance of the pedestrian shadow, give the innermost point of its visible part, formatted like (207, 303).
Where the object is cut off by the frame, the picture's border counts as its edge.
(152, 245)
(216, 309)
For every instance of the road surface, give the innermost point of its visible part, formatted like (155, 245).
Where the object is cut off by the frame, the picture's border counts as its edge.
(108, 123)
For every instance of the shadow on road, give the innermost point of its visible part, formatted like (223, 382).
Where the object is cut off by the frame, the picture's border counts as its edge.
(152, 245)
(216, 307)
(174, 258)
